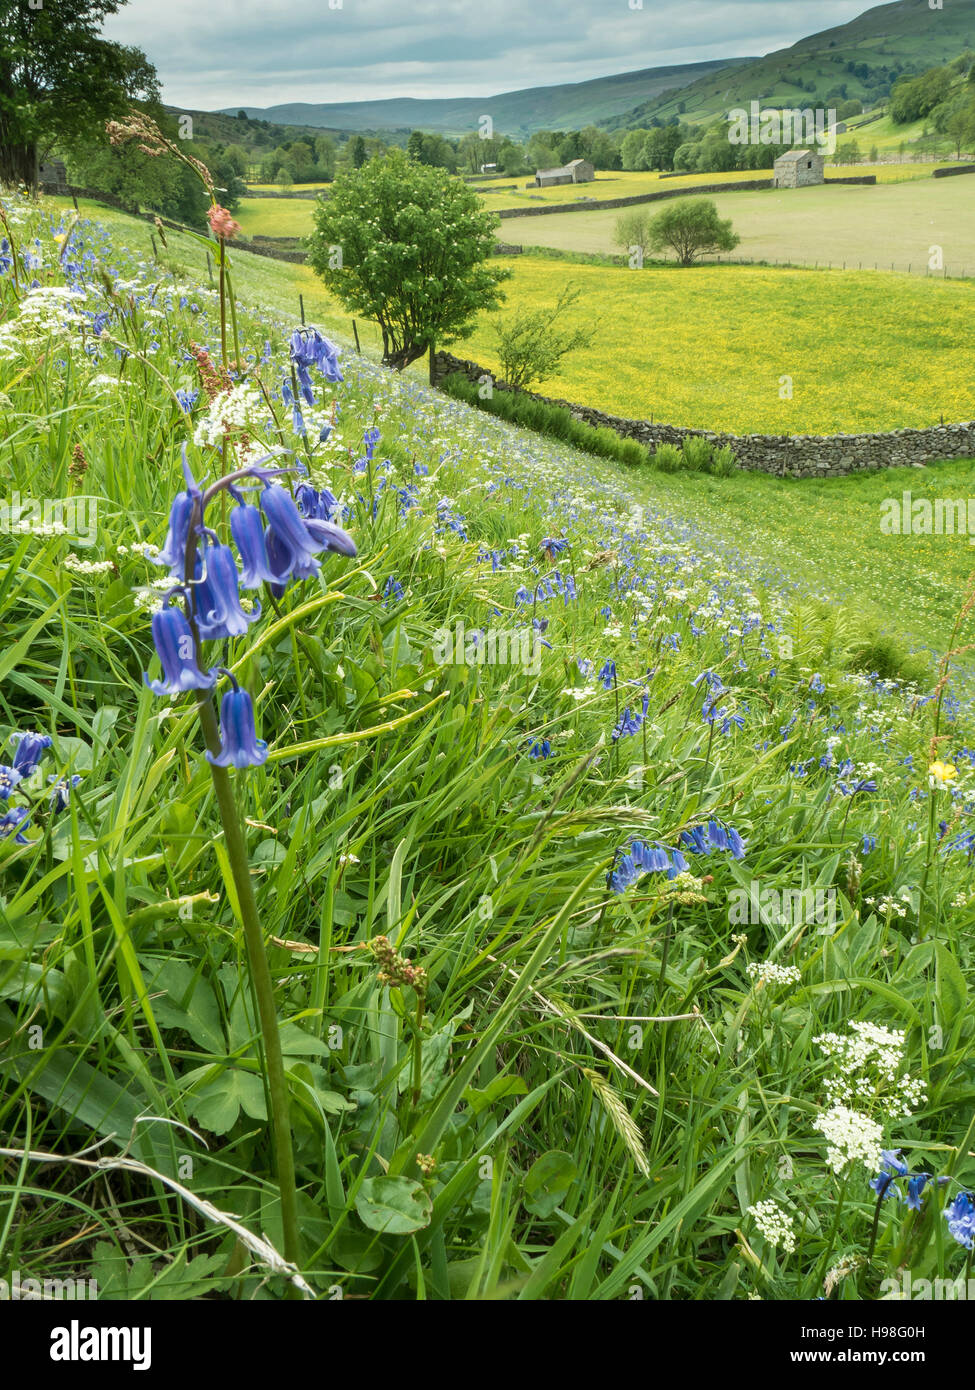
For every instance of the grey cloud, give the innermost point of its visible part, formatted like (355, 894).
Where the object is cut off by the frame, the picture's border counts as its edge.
(261, 52)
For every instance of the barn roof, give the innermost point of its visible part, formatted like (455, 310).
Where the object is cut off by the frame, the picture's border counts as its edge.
(793, 156)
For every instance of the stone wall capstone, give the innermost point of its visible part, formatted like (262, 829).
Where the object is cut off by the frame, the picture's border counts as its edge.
(794, 456)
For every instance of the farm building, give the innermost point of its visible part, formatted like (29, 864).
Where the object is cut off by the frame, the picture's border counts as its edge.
(576, 171)
(798, 168)
(52, 176)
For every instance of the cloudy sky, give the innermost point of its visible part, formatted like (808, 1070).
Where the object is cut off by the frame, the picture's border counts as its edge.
(215, 53)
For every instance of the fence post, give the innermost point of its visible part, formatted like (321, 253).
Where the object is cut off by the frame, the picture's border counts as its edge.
(355, 330)
(301, 305)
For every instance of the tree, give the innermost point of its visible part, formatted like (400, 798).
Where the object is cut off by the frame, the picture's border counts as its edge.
(357, 151)
(633, 229)
(414, 243)
(661, 145)
(60, 81)
(690, 228)
(631, 151)
(530, 346)
(325, 155)
(542, 150)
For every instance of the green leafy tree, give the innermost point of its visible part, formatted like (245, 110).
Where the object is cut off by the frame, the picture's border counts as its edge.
(357, 151)
(633, 229)
(60, 81)
(414, 243)
(325, 155)
(531, 343)
(542, 150)
(691, 228)
(631, 152)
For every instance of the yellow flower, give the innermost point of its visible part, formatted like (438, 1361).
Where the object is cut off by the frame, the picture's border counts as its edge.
(941, 775)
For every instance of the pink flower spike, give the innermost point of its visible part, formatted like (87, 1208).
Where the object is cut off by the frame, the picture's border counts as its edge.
(221, 222)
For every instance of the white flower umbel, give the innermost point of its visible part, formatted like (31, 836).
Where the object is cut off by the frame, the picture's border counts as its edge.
(238, 410)
(851, 1138)
(868, 1060)
(774, 1224)
(47, 312)
(769, 972)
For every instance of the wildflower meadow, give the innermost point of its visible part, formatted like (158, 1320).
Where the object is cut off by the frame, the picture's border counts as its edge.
(429, 868)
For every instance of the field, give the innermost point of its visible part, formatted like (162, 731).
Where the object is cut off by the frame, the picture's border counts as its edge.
(562, 943)
(896, 223)
(275, 216)
(293, 216)
(706, 347)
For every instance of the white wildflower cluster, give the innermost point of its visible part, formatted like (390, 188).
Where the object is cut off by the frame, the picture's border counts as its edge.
(79, 566)
(50, 311)
(235, 411)
(684, 888)
(891, 906)
(769, 972)
(48, 527)
(868, 1060)
(150, 596)
(851, 1138)
(775, 1225)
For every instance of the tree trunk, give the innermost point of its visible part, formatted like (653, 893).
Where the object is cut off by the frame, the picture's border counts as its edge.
(400, 358)
(18, 164)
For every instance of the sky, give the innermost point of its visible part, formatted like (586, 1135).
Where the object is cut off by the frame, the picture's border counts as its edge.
(216, 53)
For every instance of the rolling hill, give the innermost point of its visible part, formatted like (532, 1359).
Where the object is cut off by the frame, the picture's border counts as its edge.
(569, 106)
(860, 59)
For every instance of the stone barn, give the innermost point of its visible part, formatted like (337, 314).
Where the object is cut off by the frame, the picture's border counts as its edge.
(52, 176)
(799, 169)
(576, 171)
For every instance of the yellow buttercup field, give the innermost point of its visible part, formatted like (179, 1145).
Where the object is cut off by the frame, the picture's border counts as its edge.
(722, 347)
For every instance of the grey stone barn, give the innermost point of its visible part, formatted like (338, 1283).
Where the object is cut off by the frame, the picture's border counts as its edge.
(798, 169)
(576, 171)
(52, 176)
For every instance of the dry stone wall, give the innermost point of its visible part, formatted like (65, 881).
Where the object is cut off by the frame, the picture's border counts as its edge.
(796, 456)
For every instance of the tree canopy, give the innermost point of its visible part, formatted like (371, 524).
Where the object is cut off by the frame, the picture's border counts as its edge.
(406, 244)
(60, 80)
(690, 228)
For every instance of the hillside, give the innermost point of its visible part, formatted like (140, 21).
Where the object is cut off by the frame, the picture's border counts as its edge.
(860, 59)
(855, 60)
(572, 884)
(569, 106)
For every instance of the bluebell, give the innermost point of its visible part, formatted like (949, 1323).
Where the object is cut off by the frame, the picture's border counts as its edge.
(239, 744)
(177, 653)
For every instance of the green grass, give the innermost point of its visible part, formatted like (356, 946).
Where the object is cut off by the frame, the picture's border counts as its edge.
(276, 216)
(860, 225)
(598, 1085)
